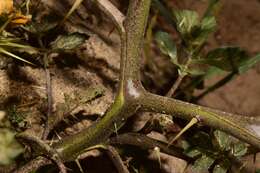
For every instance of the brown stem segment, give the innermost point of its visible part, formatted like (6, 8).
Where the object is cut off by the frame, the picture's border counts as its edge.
(147, 143)
(116, 159)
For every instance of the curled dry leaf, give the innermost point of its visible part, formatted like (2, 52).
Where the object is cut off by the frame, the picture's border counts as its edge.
(6, 6)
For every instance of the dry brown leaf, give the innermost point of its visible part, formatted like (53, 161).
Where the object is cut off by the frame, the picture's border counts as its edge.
(6, 6)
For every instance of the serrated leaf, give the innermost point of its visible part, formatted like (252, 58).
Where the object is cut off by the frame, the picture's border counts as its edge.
(222, 167)
(193, 152)
(9, 147)
(223, 140)
(219, 169)
(195, 71)
(186, 21)
(68, 42)
(225, 58)
(207, 26)
(213, 71)
(249, 63)
(213, 8)
(166, 45)
(239, 149)
(194, 31)
(202, 140)
(203, 163)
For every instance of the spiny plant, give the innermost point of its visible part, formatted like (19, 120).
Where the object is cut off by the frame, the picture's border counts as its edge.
(132, 97)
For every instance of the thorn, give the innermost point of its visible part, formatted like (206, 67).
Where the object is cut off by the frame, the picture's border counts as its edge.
(79, 166)
(58, 135)
(193, 121)
(116, 129)
(157, 153)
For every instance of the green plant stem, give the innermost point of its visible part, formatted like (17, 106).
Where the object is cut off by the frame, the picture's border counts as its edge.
(182, 74)
(230, 123)
(131, 95)
(125, 103)
(215, 86)
(175, 86)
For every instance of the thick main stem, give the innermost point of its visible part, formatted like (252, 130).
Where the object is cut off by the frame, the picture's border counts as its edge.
(132, 32)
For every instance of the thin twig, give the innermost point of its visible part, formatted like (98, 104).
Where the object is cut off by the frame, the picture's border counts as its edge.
(175, 86)
(33, 165)
(146, 143)
(116, 159)
(43, 149)
(215, 86)
(49, 100)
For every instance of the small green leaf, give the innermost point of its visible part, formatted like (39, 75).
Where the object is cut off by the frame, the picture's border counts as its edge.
(223, 140)
(203, 163)
(202, 140)
(225, 58)
(195, 71)
(213, 8)
(222, 167)
(166, 45)
(239, 149)
(213, 71)
(208, 25)
(257, 171)
(248, 63)
(9, 147)
(193, 152)
(186, 21)
(68, 42)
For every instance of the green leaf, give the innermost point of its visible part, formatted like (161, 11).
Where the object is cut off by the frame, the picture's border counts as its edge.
(225, 58)
(208, 25)
(202, 140)
(186, 21)
(213, 71)
(213, 8)
(68, 42)
(257, 171)
(248, 63)
(9, 147)
(239, 149)
(203, 163)
(193, 152)
(166, 45)
(223, 140)
(194, 31)
(195, 71)
(222, 167)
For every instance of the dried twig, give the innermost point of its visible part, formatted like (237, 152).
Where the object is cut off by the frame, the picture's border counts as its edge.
(116, 159)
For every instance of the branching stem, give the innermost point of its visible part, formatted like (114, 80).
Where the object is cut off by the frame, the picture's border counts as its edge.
(132, 96)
